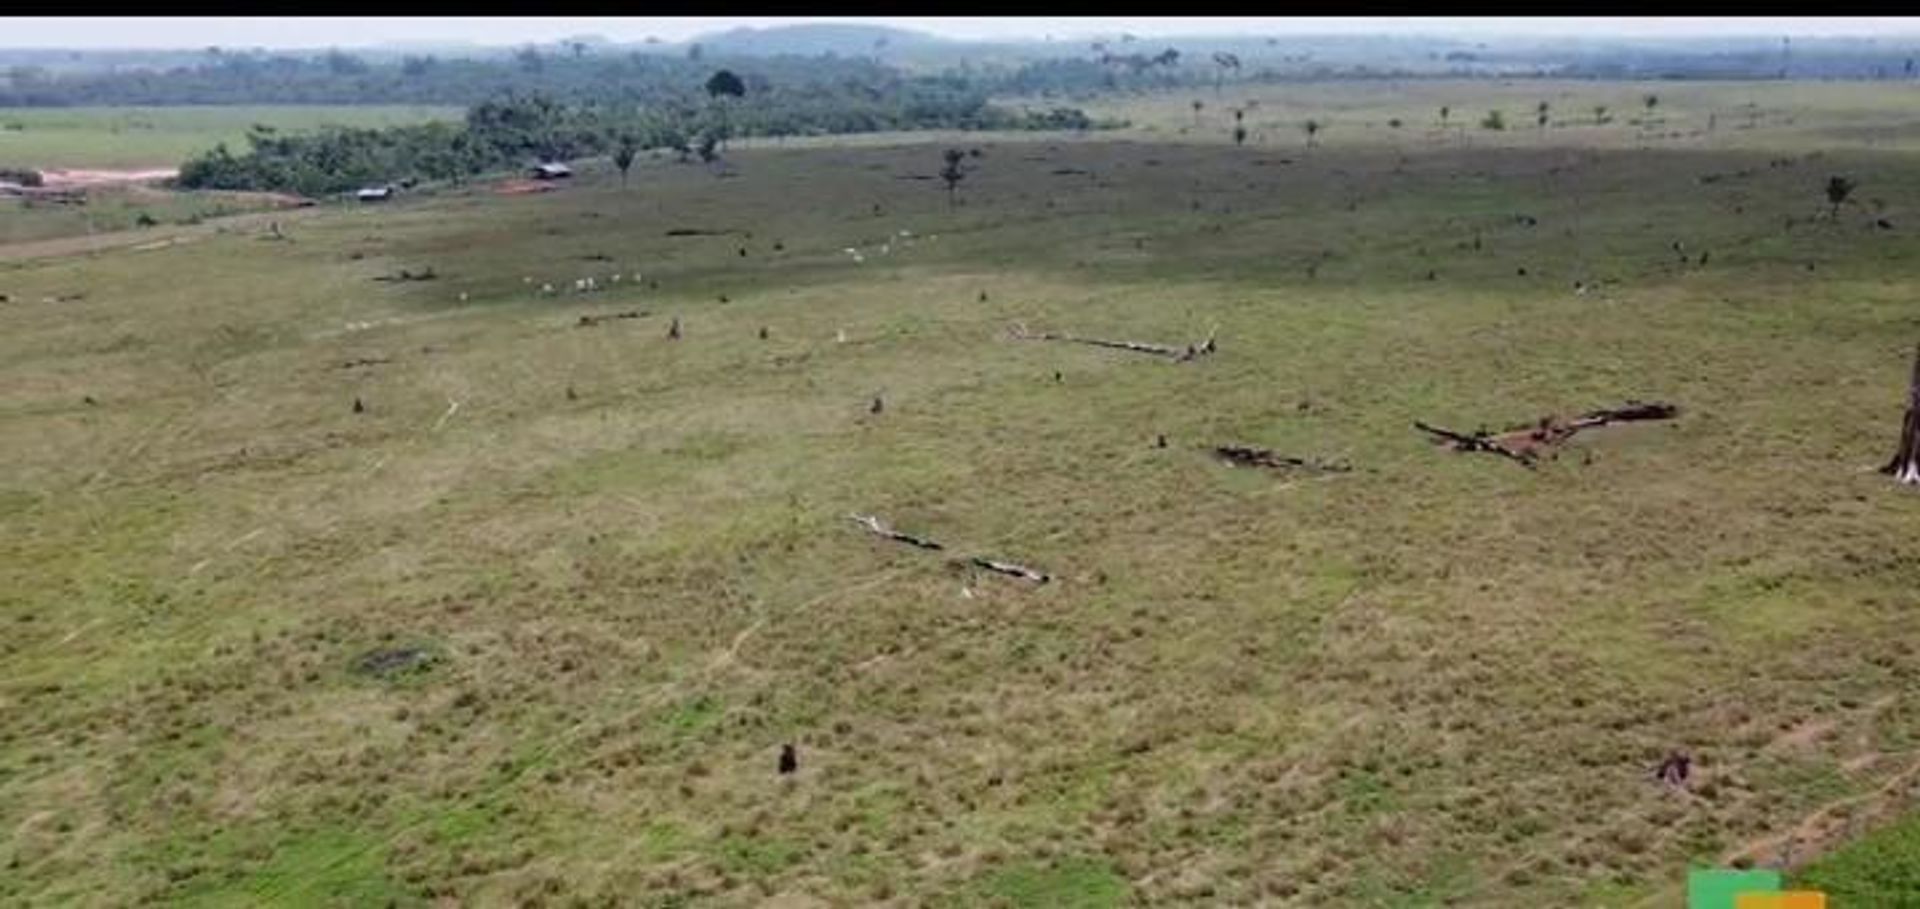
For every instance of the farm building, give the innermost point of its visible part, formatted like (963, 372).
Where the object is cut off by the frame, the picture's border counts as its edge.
(551, 170)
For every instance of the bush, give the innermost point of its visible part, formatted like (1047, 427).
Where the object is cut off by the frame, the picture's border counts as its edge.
(20, 175)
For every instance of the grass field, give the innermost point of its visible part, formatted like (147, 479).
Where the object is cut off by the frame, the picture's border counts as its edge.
(134, 137)
(625, 566)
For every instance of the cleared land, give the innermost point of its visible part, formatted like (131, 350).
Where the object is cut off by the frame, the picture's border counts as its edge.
(139, 137)
(532, 626)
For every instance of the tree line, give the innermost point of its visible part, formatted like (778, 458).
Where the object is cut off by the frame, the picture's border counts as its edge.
(517, 128)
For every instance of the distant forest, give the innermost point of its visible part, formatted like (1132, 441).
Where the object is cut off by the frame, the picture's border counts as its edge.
(863, 86)
(536, 106)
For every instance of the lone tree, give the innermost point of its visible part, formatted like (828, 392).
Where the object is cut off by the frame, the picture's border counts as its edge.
(1197, 105)
(1445, 112)
(1599, 114)
(724, 84)
(1905, 466)
(1313, 129)
(1838, 189)
(1224, 61)
(952, 173)
(1540, 114)
(1239, 135)
(623, 157)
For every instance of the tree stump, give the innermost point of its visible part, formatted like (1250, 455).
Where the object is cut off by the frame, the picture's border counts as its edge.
(1905, 466)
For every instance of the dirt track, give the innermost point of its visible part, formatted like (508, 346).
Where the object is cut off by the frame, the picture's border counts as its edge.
(81, 179)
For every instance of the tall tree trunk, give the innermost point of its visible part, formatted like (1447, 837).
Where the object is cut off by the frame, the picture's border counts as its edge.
(1905, 466)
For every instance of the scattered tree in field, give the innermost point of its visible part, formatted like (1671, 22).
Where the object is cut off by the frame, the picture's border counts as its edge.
(952, 173)
(1494, 120)
(1445, 112)
(1393, 123)
(1239, 135)
(1224, 61)
(1540, 115)
(1651, 101)
(1197, 106)
(709, 147)
(720, 86)
(1838, 189)
(1313, 129)
(1599, 114)
(623, 157)
(1905, 466)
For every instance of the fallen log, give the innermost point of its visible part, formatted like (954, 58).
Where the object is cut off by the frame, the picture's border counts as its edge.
(1010, 568)
(1261, 457)
(1190, 352)
(876, 527)
(872, 524)
(1634, 411)
(589, 320)
(405, 275)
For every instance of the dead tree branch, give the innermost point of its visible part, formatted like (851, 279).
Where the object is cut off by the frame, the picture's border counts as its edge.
(1009, 568)
(1478, 442)
(876, 527)
(1261, 457)
(1190, 352)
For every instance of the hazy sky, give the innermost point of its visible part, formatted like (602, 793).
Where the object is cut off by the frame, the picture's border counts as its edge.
(348, 31)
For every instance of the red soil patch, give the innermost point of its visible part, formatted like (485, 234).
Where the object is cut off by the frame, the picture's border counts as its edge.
(523, 187)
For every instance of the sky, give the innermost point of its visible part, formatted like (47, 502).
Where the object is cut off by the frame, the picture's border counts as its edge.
(363, 31)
